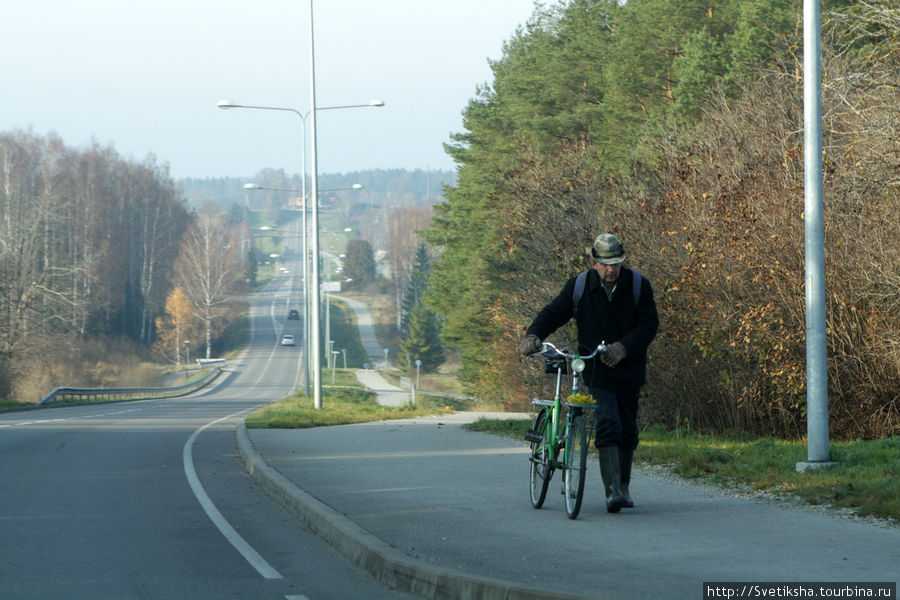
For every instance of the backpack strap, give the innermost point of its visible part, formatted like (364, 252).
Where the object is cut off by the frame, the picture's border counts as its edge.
(635, 286)
(582, 278)
(578, 291)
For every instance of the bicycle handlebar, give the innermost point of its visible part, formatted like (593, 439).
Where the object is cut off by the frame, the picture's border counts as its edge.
(550, 351)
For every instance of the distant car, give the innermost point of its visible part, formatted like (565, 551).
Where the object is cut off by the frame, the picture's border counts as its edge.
(293, 315)
(288, 340)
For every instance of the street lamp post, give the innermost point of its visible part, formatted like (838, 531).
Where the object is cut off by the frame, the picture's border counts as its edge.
(305, 252)
(228, 104)
(309, 343)
(313, 309)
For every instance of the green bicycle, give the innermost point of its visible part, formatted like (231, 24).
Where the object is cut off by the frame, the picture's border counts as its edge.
(558, 443)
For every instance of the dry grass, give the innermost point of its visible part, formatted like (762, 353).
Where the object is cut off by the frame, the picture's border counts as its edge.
(95, 363)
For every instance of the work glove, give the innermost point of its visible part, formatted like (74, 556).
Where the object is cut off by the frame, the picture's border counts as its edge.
(613, 355)
(530, 345)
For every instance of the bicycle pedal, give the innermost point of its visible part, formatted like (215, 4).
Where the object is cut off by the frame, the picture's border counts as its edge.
(533, 436)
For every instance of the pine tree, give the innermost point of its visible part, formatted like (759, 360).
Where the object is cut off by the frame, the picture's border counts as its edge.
(419, 329)
(415, 288)
(423, 341)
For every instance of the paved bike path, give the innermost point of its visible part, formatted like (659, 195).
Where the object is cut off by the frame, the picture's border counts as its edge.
(429, 506)
(385, 393)
(366, 328)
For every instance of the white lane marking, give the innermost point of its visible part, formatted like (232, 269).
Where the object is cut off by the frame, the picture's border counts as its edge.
(240, 544)
(296, 597)
(88, 416)
(300, 354)
(275, 326)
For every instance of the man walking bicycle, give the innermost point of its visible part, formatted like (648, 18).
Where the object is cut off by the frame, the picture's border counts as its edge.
(612, 304)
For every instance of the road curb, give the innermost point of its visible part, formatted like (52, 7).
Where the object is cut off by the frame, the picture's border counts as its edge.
(382, 561)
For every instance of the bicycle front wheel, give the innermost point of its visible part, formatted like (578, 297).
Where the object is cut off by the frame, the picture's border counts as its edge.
(540, 462)
(576, 464)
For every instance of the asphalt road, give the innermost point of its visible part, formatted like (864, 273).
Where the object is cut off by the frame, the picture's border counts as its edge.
(456, 502)
(150, 500)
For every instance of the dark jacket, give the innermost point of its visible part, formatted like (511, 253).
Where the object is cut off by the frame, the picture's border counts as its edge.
(601, 320)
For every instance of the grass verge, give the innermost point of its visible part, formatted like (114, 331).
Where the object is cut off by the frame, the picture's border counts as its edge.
(864, 479)
(4, 404)
(343, 403)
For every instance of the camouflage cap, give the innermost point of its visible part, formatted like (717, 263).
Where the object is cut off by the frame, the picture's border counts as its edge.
(607, 249)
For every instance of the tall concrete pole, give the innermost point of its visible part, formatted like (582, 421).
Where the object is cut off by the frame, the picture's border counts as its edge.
(315, 287)
(306, 316)
(818, 452)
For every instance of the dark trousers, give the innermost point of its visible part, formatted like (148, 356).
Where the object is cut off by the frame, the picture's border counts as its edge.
(615, 417)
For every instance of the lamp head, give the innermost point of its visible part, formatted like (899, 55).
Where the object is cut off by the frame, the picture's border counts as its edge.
(225, 104)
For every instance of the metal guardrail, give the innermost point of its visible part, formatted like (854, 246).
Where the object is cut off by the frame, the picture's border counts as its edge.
(210, 361)
(69, 394)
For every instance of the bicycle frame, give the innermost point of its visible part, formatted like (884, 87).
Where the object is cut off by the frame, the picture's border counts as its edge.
(564, 360)
(553, 438)
(553, 425)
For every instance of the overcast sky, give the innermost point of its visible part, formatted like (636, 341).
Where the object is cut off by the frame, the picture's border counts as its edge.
(146, 77)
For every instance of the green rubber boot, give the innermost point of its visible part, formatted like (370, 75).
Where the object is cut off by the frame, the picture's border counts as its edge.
(609, 471)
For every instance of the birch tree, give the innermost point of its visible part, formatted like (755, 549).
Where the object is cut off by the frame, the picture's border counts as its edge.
(207, 268)
(30, 203)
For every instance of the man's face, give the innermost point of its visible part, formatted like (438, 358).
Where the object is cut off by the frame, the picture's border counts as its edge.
(608, 273)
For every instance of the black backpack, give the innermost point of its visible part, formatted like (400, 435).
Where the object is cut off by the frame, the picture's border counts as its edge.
(582, 278)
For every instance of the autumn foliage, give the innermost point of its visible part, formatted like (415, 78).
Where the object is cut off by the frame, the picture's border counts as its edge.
(711, 208)
(724, 218)
(176, 326)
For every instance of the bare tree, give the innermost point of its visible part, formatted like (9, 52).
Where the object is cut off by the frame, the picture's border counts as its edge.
(30, 201)
(159, 226)
(87, 243)
(404, 225)
(208, 266)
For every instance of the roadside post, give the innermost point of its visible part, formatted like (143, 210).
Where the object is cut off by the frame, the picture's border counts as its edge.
(418, 364)
(406, 382)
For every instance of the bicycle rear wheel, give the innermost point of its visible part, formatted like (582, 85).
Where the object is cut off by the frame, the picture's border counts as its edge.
(540, 462)
(576, 464)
